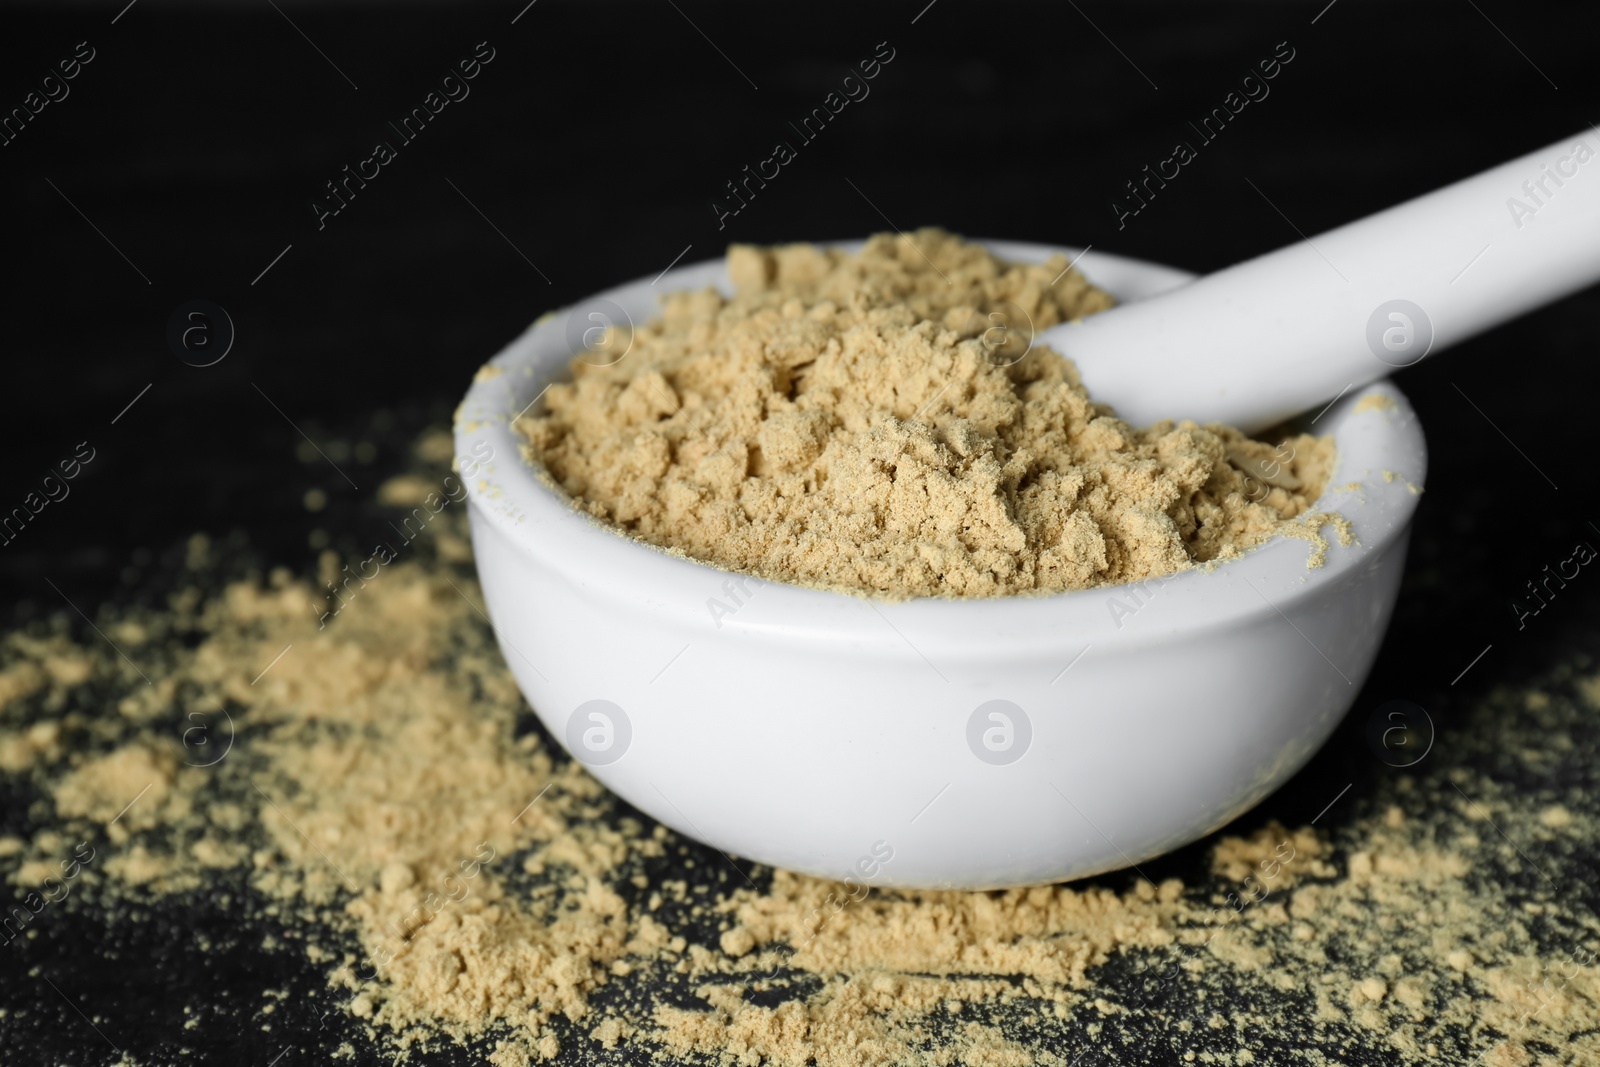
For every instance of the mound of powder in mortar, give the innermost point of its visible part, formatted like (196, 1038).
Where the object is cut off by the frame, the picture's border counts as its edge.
(878, 423)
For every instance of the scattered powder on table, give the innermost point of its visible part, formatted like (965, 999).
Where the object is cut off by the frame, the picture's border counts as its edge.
(383, 799)
(878, 423)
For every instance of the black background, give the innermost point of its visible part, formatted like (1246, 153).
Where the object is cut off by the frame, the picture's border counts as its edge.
(595, 141)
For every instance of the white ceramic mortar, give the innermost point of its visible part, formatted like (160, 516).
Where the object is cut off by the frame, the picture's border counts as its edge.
(817, 731)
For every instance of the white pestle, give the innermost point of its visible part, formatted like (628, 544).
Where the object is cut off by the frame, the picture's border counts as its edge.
(1288, 331)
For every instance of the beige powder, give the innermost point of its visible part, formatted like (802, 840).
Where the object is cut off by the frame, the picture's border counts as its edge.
(377, 794)
(877, 423)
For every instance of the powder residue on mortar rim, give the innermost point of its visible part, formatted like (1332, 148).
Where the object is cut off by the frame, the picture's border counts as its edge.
(876, 423)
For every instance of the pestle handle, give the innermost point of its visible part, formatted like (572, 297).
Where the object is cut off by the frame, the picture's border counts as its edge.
(1287, 331)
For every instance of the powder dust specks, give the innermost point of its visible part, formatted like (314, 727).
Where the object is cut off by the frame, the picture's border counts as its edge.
(389, 812)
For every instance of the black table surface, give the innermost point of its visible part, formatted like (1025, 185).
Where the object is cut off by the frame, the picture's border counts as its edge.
(184, 159)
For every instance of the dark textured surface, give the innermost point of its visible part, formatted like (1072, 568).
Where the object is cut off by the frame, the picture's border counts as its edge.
(595, 141)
